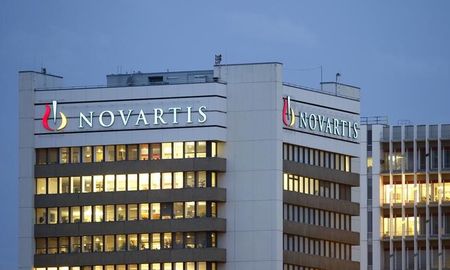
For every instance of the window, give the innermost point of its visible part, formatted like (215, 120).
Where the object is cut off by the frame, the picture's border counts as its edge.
(201, 149)
(109, 182)
(52, 215)
(143, 181)
(120, 212)
(87, 154)
(189, 210)
(64, 244)
(143, 211)
(167, 237)
(52, 156)
(75, 154)
(177, 180)
(166, 150)
(201, 209)
(132, 182)
(109, 153)
(132, 242)
(213, 149)
(109, 213)
(132, 152)
(41, 216)
(177, 150)
(98, 243)
(41, 156)
(87, 183)
(200, 238)
(189, 149)
(98, 213)
(143, 241)
(189, 241)
(75, 183)
(178, 243)
(166, 210)
(98, 183)
(121, 182)
(64, 215)
(155, 149)
(156, 241)
(109, 243)
(64, 185)
(201, 179)
(75, 215)
(132, 212)
(87, 213)
(155, 210)
(52, 185)
(41, 186)
(143, 152)
(63, 155)
(167, 180)
(98, 153)
(75, 244)
(87, 244)
(121, 152)
(121, 242)
(155, 179)
(178, 209)
(190, 179)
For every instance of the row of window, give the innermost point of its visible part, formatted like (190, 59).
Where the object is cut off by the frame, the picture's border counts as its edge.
(297, 267)
(396, 159)
(296, 183)
(121, 242)
(398, 193)
(318, 247)
(125, 182)
(395, 225)
(316, 157)
(122, 212)
(120, 152)
(420, 258)
(142, 266)
(316, 217)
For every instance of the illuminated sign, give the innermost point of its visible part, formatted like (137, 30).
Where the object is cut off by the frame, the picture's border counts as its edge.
(129, 117)
(318, 122)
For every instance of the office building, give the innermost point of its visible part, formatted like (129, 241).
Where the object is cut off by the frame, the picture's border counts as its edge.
(229, 169)
(405, 196)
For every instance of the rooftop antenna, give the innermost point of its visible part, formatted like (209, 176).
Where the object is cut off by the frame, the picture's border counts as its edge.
(217, 59)
(338, 75)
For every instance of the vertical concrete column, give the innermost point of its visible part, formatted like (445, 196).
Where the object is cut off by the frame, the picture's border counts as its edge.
(428, 190)
(441, 194)
(404, 196)
(391, 204)
(416, 199)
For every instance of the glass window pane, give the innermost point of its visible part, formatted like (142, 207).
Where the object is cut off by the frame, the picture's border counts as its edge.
(166, 210)
(155, 149)
(190, 179)
(167, 180)
(178, 243)
(201, 209)
(132, 212)
(213, 179)
(143, 152)
(75, 183)
(200, 238)
(121, 180)
(132, 242)
(87, 213)
(109, 243)
(75, 244)
(98, 183)
(64, 215)
(189, 210)
(132, 152)
(201, 149)
(143, 241)
(41, 216)
(98, 153)
(87, 154)
(167, 240)
(87, 183)
(109, 152)
(109, 182)
(132, 182)
(166, 150)
(120, 212)
(98, 243)
(189, 149)
(178, 209)
(143, 211)
(213, 149)
(98, 213)
(52, 185)
(41, 156)
(52, 156)
(41, 186)
(143, 181)
(178, 180)
(52, 215)
(201, 179)
(121, 242)
(64, 244)
(156, 241)
(75, 215)
(155, 211)
(64, 155)
(189, 241)
(75, 154)
(178, 150)
(64, 185)
(121, 152)
(155, 179)
(109, 213)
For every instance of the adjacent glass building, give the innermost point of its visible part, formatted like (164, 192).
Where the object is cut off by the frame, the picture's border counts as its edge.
(223, 169)
(405, 215)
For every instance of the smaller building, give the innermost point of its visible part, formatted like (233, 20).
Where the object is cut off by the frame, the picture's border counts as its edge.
(405, 196)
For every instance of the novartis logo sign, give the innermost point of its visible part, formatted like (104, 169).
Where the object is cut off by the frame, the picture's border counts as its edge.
(317, 122)
(127, 117)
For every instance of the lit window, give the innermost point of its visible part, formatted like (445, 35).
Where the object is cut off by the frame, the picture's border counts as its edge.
(98, 151)
(143, 211)
(143, 181)
(213, 209)
(75, 183)
(156, 241)
(63, 155)
(155, 179)
(213, 149)
(201, 150)
(167, 180)
(189, 149)
(75, 215)
(132, 242)
(155, 210)
(143, 242)
(75, 244)
(190, 179)
(120, 212)
(98, 243)
(87, 213)
(178, 180)
(109, 243)
(189, 210)
(75, 154)
(155, 149)
(52, 245)
(109, 152)
(87, 154)
(189, 240)
(121, 152)
(143, 152)
(132, 212)
(98, 183)
(121, 182)
(178, 209)
(201, 179)
(132, 182)
(64, 215)
(52, 185)
(109, 183)
(52, 215)
(41, 216)
(41, 186)
(201, 209)
(98, 213)
(121, 242)
(177, 150)
(109, 213)
(87, 244)
(132, 152)
(213, 179)
(167, 240)
(64, 185)
(87, 183)
(166, 150)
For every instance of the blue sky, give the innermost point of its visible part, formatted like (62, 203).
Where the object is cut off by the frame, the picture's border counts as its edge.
(396, 51)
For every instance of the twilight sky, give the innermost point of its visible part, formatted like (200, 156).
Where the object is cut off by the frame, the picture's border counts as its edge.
(398, 52)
